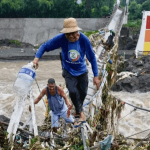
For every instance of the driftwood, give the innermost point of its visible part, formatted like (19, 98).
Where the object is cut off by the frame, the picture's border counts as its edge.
(97, 146)
(41, 137)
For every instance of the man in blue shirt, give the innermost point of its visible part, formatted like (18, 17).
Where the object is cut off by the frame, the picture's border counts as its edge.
(74, 47)
(58, 103)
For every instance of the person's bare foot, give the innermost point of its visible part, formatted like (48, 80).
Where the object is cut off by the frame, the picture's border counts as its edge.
(81, 120)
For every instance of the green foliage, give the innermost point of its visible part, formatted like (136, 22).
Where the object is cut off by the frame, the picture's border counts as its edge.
(105, 10)
(136, 7)
(135, 11)
(134, 23)
(138, 1)
(88, 33)
(77, 147)
(55, 8)
(15, 42)
(146, 5)
(123, 3)
(34, 140)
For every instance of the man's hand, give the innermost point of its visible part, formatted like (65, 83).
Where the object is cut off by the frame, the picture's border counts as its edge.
(122, 103)
(69, 105)
(96, 81)
(35, 62)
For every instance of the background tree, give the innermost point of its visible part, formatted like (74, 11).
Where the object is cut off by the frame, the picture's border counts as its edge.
(146, 5)
(123, 3)
(140, 1)
(135, 11)
(55, 8)
(96, 9)
(105, 10)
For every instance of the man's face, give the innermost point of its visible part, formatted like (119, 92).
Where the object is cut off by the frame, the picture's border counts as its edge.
(72, 36)
(51, 87)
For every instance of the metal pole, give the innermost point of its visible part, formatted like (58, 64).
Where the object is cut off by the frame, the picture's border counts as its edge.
(39, 90)
(33, 114)
(83, 137)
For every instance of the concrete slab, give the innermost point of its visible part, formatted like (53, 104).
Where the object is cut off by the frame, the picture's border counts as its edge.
(39, 30)
(26, 54)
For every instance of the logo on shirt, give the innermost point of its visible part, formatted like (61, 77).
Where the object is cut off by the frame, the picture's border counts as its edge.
(73, 55)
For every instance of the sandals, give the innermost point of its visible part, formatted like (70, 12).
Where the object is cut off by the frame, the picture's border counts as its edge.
(81, 122)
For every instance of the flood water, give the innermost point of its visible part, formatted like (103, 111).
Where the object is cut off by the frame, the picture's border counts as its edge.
(8, 74)
(135, 122)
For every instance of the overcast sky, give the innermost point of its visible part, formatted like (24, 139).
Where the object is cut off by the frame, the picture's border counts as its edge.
(79, 1)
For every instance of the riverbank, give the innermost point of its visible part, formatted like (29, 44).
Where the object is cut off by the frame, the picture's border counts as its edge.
(25, 54)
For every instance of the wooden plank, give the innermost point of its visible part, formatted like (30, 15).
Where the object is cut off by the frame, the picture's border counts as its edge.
(86, 100)
(90, 78)
(88, 97)
(91, 85)
(91, 92)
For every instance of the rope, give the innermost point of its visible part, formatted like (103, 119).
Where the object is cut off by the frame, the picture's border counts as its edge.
(137, 133)
(127, 114)
(91, 98)
(144, 109)
(39, 90)
(141, 141)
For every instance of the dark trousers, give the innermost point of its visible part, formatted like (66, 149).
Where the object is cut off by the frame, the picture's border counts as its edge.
(77, 87)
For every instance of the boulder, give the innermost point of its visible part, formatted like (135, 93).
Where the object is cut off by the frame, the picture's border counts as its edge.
(135, 75)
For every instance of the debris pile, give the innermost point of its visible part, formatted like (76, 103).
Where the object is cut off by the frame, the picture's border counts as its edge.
(133, 75)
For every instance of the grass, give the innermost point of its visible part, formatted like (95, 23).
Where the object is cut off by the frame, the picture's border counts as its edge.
(88, 33)
(134, 23)
(15, 42)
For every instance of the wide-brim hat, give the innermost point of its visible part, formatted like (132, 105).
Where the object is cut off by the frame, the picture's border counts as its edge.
(70, 25)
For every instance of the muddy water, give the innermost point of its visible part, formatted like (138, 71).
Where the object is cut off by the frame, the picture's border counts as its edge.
(8, 74)
(138, 120)
(135, 122)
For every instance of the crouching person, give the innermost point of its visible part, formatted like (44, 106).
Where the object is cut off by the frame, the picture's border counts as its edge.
(57, 101)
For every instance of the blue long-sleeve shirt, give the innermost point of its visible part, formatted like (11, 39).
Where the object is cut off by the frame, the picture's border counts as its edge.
(73, 53)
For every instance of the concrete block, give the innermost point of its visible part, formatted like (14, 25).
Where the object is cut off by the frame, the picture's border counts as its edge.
(40, 30)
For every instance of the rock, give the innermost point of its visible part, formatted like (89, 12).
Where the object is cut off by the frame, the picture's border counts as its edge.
(144, 82)
(127, 84)
(128, 38)
(6, 120)
(136, 75)
(124, 32)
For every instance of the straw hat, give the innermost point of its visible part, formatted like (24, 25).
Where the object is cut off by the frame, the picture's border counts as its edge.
(70, 25)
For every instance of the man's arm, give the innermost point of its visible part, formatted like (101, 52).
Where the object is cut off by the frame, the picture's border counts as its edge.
(36, 62)
(39, 97)
(92, 59)
(62, 93)
(50, 45)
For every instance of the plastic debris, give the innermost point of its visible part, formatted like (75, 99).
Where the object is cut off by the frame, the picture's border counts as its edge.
(106, 143)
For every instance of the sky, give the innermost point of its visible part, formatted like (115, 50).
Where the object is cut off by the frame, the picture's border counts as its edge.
(79, 1)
